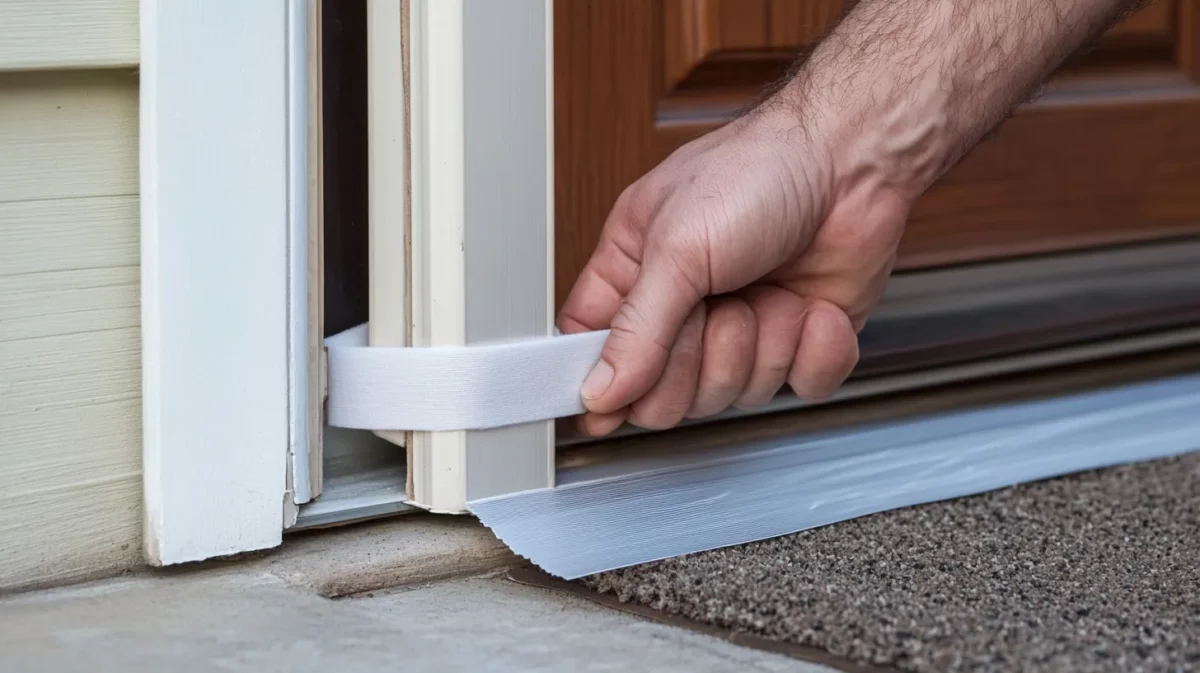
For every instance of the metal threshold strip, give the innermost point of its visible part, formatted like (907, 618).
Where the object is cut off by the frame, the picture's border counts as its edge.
(365, 478)
(659, 497)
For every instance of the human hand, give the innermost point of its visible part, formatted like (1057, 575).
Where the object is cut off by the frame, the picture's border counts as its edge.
(743, 261)
(751, 256)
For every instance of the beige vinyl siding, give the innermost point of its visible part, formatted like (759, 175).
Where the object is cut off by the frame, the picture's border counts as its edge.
(56, 34)
(70, 380)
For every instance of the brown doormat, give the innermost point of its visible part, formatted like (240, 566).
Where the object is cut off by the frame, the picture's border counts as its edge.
(1093, 572)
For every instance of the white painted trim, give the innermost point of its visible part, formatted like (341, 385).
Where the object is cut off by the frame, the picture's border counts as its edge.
(215, 311)
(387, 176)
(480, 257)
(436, 461)
(298, 121)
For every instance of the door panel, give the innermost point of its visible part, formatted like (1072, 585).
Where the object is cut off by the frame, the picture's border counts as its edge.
(1111, 152)
(703, 39)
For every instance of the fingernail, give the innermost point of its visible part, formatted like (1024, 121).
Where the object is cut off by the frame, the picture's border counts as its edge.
(598, 381)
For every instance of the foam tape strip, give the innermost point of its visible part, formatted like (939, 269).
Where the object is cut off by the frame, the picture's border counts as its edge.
(596, 520)
(456, 387)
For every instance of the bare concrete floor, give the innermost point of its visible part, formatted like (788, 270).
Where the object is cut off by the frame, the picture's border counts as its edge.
(254, 620)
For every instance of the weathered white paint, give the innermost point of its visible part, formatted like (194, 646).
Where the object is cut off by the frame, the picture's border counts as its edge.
(70, 421)
(48, 34)
(214, 247)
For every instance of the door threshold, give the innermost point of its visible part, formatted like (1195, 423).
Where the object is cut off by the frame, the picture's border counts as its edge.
(365, 478)
(688, 491)
(373, 494)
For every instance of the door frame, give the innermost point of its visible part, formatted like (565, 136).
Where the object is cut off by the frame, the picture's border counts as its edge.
(225, 280)
(229, 151)
(468, 256)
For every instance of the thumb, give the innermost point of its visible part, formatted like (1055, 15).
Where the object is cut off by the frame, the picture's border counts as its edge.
(643, 331)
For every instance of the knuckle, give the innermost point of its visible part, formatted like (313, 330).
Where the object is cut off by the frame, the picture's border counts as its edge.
(755, 399)
(658, 416)
(631, 196)
(811, 389)
(723, 380)
(628, 328)
(777, 363)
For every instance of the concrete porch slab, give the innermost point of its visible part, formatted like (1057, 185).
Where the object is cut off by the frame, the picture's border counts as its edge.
(255, 621)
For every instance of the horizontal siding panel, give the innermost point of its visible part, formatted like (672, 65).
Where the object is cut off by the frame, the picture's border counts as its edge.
(65, 372)
(54, 303)
(72, 533)
(70, 360)
(49, 34)
(60, 449)
(86, 233)
(68, 134)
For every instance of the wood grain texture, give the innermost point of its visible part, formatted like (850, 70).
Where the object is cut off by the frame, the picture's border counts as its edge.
(604, 93)
(688, 44)
(1109, 155)
(58, 540)
(1157, 19)
(1066, 175)
(316, 247)
(732, 35)
(65, 234)
(39, 35)
(1187, 45)
(41, 305)
(62, 375)
(68, 134)
(798, 24)
(70, 373)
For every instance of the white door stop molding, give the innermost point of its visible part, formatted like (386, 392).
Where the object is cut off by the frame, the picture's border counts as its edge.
(456, 387)
(598, 520)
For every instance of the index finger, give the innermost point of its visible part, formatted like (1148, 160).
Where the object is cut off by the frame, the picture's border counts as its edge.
(605, 281)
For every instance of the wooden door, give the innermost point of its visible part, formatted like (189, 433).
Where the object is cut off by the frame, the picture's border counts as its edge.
(1111, 152)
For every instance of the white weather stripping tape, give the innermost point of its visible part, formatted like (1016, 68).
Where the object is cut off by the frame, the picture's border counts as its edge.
(456, 387)
(594, 522)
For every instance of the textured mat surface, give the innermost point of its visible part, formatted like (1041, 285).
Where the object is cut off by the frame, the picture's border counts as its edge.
(1093, 572)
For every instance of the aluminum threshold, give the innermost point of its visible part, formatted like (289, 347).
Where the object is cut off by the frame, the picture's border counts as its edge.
(688, 491)
(365, 478)
(373, 494)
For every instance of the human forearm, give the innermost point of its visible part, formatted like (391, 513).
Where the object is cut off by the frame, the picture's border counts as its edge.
(901, 89)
